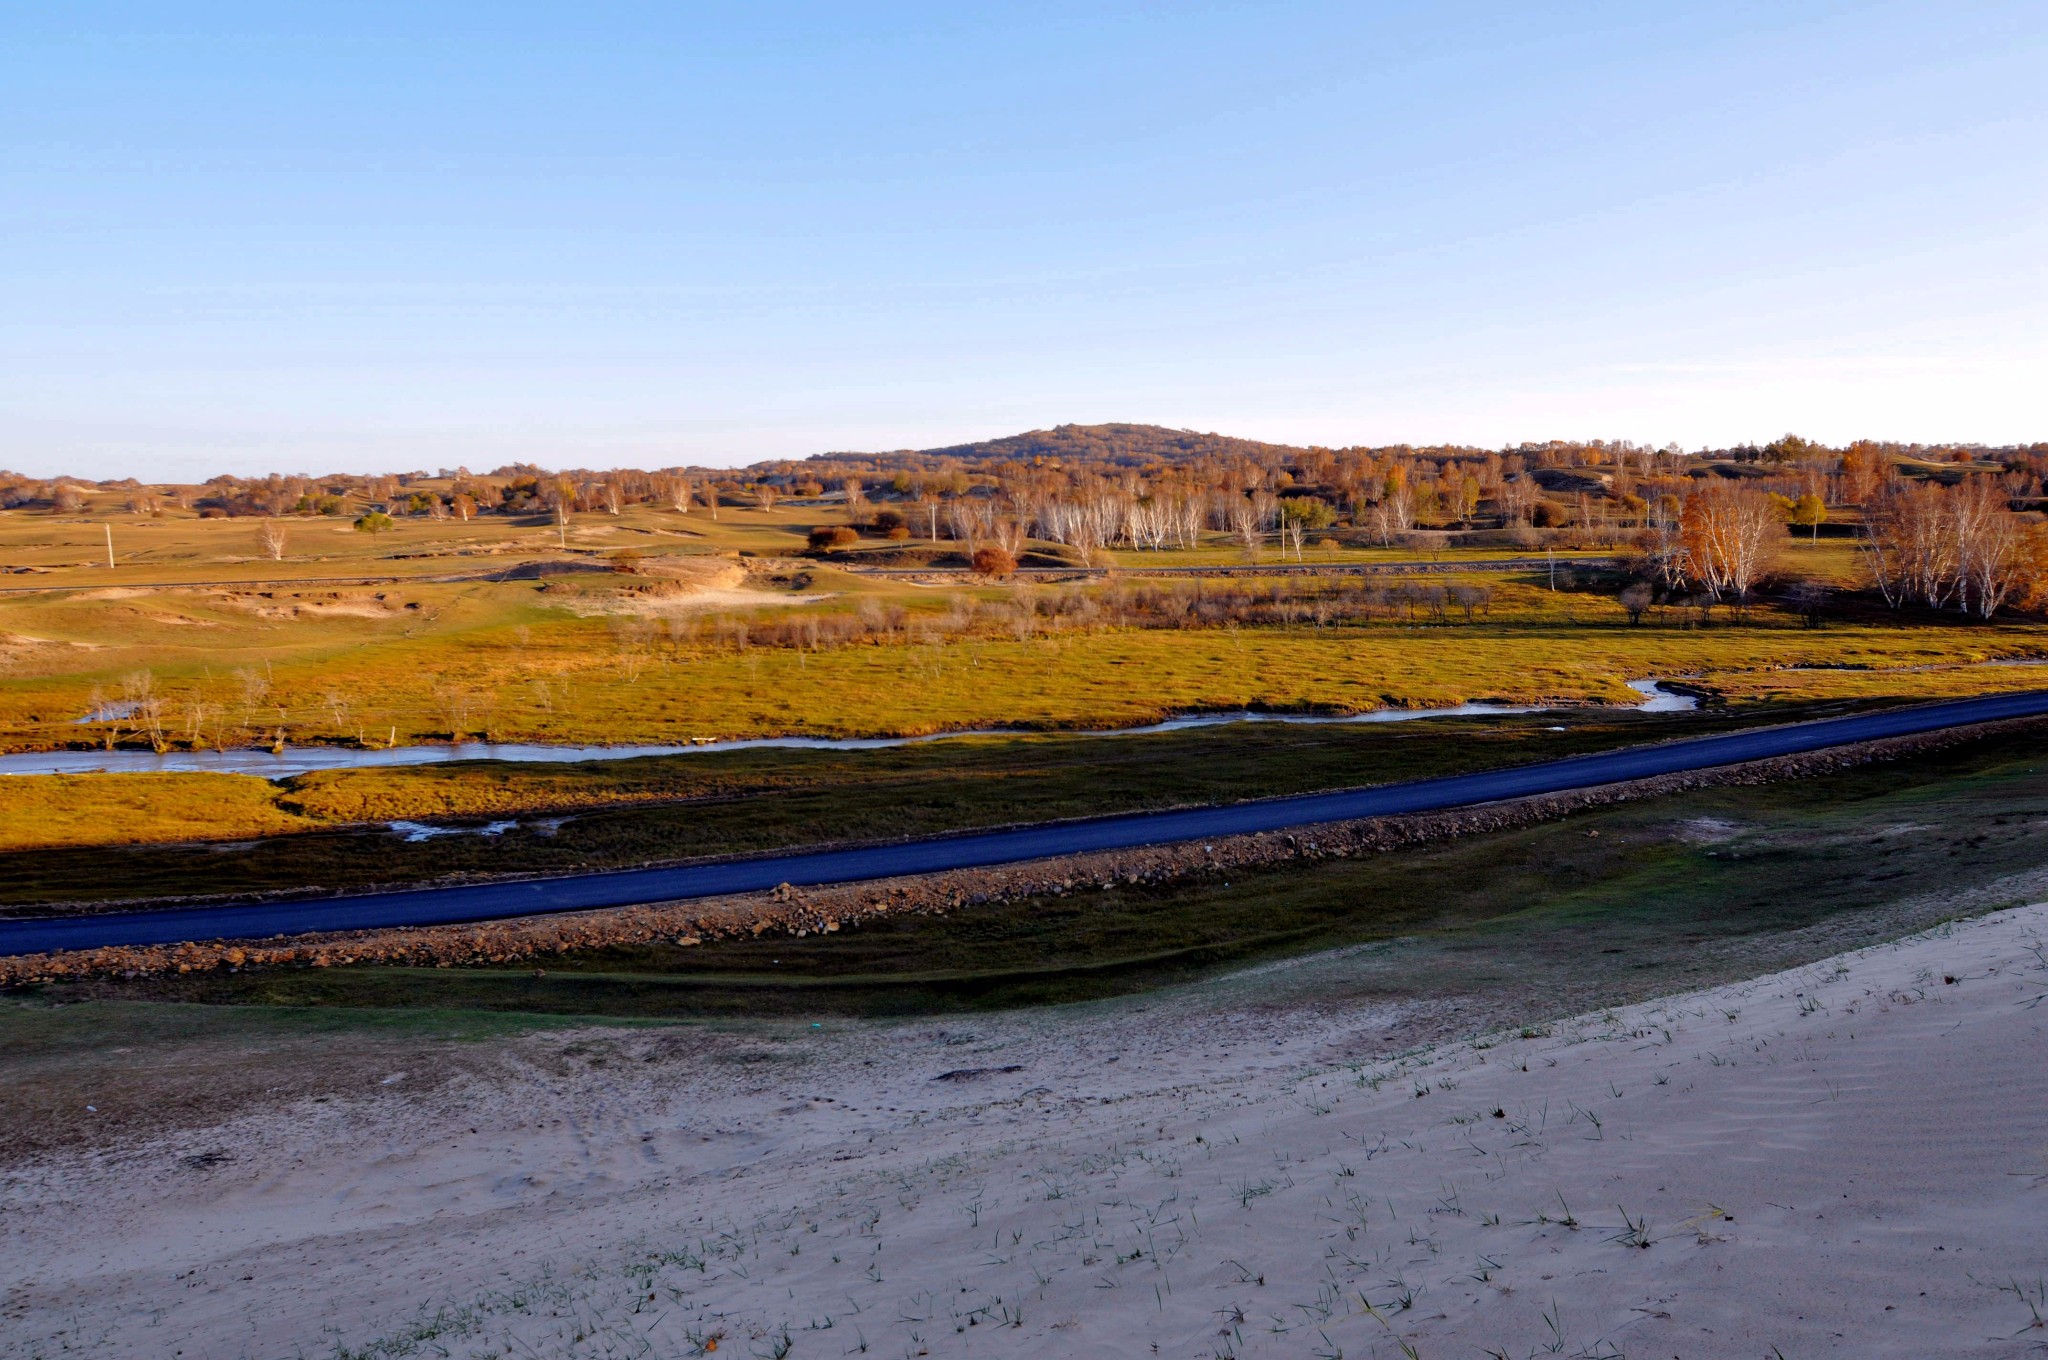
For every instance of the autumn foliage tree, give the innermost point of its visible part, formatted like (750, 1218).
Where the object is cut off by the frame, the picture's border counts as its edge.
(993, 562)
(1933, 546)
(1730, 535)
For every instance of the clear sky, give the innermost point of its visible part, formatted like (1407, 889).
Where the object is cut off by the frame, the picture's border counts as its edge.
(252, 237)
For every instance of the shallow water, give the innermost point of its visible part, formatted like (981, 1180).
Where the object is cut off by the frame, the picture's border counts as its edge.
(296, 760)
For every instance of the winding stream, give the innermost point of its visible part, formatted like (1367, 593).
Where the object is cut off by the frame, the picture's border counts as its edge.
(297, 760)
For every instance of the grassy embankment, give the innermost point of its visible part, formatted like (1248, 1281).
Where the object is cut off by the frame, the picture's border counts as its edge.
(256, 837)
(1599, 908)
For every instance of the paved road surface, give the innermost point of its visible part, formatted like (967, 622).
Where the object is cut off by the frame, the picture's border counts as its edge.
(486, 901)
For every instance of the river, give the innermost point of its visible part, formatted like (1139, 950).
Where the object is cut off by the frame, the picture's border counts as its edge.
(297, 760)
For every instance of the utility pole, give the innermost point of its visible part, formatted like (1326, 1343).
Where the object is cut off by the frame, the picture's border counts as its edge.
(110, 545)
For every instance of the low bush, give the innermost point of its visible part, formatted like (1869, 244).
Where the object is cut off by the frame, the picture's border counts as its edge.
(993, 562)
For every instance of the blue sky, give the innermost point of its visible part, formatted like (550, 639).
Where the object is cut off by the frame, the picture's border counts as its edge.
(370, 236)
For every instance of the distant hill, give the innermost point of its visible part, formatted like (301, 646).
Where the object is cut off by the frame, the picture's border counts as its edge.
(1119, 445)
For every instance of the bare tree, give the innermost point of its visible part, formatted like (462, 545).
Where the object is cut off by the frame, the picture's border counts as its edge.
(1245, 527)
(1809, 599)
(145, 706)
(1663, 543)
(1636, 598)
(1730, 532)
(1910, 546)
(677, 490)
(340, 705)
(271, 536)
(1988, 542)
(1394, 512)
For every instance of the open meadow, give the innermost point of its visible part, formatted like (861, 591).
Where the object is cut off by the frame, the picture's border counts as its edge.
(1354, 1104)
(437, 631)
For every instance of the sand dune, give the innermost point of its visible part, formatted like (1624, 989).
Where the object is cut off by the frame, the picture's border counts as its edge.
(1849, 1159)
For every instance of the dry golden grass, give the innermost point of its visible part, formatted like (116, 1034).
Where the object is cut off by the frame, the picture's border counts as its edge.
(428, 661)
(560, 660)
(59, 811)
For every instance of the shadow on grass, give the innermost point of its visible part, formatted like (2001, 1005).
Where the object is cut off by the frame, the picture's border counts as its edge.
(1633, 898)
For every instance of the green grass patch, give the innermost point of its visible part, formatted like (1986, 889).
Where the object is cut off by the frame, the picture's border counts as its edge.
(1631, 895)
(722, 803)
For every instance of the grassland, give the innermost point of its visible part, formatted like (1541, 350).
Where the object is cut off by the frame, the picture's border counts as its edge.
(470, 639)
(1624, 900)
(595, 659)
(266, 837)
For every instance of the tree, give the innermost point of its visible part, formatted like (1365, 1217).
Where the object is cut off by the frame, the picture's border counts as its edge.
(1808, 512)
(993, 562)
(1729, 533)
(1465, 497)
(826, 537)
(1249, 516)
(270, 536)
(1636, 598)
(375, 522)
(1301, 514)
(1989, 541)
(677, 489)
(464, 506)
(1809, 599)
(1394, 511)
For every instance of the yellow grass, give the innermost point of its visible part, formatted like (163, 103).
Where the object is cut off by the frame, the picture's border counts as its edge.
(539, 660)
(58, 811)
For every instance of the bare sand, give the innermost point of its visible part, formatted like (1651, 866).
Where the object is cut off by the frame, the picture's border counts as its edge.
(1846, 1159)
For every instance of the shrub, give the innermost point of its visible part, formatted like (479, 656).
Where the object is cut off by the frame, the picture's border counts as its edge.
(1423, 540)
(886, 523)
(897, 534)
(1550, 515)
(993, 562)
(828, 536)
(1635, 598)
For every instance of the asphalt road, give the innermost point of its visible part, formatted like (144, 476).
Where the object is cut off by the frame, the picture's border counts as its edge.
(487, 901)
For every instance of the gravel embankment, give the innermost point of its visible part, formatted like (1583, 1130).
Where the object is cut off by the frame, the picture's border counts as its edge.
(799, 912)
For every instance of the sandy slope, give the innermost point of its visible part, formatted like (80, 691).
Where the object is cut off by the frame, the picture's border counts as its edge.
(1848, 1159)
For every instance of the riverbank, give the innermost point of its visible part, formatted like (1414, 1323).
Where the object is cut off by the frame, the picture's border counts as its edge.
(796, 913)
(1842, 1159)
